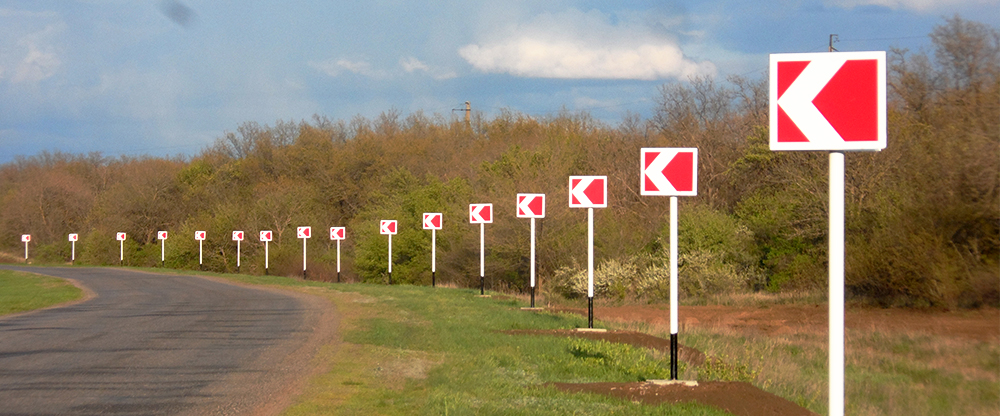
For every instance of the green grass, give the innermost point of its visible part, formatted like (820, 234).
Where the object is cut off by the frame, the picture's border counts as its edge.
(21, 292)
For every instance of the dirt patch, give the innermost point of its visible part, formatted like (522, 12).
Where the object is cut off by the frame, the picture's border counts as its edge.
(980, 324)
(738, 398)
(684, 353)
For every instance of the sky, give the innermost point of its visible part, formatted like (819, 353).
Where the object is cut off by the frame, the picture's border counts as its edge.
(168, 77)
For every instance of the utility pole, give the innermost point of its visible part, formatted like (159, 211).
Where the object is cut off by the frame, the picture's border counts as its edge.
(468, 112)
(833, 38)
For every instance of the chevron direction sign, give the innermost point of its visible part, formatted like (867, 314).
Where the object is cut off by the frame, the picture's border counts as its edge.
(237, 235)
(199, 235)
(432, 220)
(387, 227)
(303, 232)
(530, 205)
(338, 233)
(669, 171)
(266, 236)
(828, 101)
(480, 213)
(588, 191)
(161, 235)
(120, 236)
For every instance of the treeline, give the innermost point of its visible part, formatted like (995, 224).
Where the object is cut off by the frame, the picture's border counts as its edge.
(923, 220)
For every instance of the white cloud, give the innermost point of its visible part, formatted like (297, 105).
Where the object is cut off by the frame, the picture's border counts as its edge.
(574, 44)
(412, 64)
(334, 68)
(917, 5)
(36, 66)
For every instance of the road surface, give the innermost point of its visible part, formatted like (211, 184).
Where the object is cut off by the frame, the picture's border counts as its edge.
(152, 344)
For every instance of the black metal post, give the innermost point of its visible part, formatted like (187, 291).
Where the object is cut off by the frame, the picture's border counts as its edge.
(433, 280)
(237, 269)
(673, 356)
(590, 312)
(532, 296)
(338, 277)
(265, 271)
(390, 278)
(482, 285)
(304, 275)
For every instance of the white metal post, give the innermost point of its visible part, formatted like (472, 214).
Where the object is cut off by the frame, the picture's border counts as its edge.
(72, 251)
(200, 257)
(590, 267)
(266, 256)
(836, 283)
(482, 250)
(390, 256)
(433, 250)
(25, 251)
(338, 256)
(532, 254)
(304, 255)
(674, 298)
(121, 251)
(163, 250)
(237, 254)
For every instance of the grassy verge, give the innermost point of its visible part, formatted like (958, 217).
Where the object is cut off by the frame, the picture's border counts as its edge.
(21, 292)
(417, 350)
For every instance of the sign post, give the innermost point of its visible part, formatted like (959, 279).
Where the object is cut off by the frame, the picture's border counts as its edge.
(304, 233)
(832, 102)
(265, 237)
(481, 214)
(337, 234)
(589, 192)
(162, 236)
(25, 238)
(121, 248)
(388, 227)
(432, 221)
(237, 237)
(200, 236)
(72, 241)
(531, 206)
(670, 172)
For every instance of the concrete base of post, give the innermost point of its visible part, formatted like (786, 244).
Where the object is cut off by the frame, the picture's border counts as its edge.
(686, 383)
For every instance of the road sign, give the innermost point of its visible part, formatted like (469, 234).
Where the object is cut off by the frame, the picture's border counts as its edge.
(828, 101)
(480, 213)
(266, 236)
(120, 236)
(338, 233)
(669, 171)
(74, 237)
(161, 235)
(588, 191)
(432, 220)
(25, 238)
(387, 227)
(530, 205)
(237, 235)
(199, 235)
(303, 232)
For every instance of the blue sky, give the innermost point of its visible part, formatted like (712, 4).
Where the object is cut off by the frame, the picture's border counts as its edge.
(166, 77)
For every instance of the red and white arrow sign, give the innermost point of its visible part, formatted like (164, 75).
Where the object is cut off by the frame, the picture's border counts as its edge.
(303, 232)
(161, 235)
(25, 238)
(480, 213)
(74, 237)
(669, 171)
(387, 227)
(828, 101)
(338, 233)
(530, 205)
(432, 220)
(199, 235)
(237, 235)
(266, 235)
(588, 191)
(120, 236)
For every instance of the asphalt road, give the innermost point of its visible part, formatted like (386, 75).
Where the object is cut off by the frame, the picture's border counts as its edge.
(151, 344)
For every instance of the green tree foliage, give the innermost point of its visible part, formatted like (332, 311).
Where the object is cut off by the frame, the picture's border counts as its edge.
(922, 219)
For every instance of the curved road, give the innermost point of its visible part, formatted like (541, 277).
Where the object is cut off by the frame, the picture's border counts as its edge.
(154, 344)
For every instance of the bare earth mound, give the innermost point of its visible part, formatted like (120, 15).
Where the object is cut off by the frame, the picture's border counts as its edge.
(738, 398)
